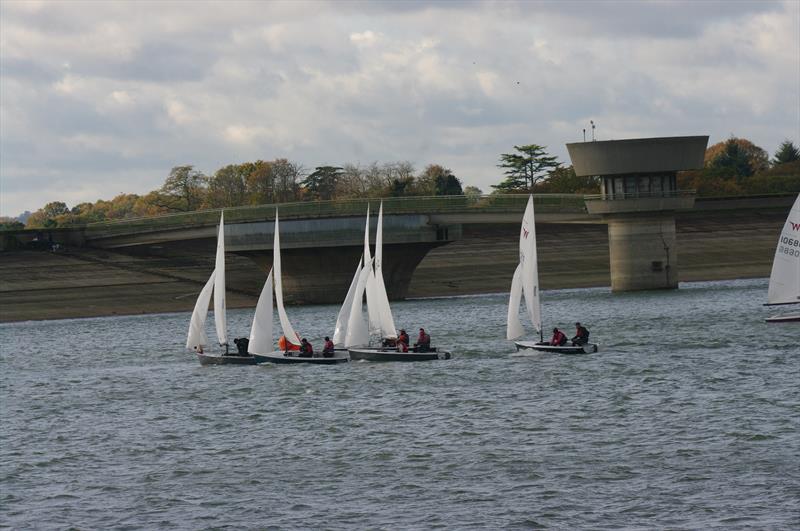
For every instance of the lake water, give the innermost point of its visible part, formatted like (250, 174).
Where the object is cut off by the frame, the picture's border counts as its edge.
(687, 418)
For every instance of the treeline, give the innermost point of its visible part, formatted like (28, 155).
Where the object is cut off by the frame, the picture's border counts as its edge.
(739, 167)
(254, 183)
(733, 167)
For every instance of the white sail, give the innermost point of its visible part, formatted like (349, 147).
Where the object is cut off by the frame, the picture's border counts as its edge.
(261, 331)
(288, 331)
(197, 338)
(220, 317)
(513, 326)
(530, 266)
(384, 310)
(357, 332)
(371, 288)
(343, 318)
(784, 282)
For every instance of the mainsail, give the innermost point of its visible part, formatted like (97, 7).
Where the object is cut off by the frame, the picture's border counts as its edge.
(784, 282)
(371, 288)
(384, 310)
(288, 331)
(261, 331)
(527, 274)
(340, 332)
(219, 286)
(197, 338)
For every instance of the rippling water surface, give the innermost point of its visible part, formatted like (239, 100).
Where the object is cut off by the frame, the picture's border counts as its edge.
(686, 418)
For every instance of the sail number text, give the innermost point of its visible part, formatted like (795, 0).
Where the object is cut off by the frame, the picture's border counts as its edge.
(791, 246)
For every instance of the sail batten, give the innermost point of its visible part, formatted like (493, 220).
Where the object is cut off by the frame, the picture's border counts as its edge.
(220, 312)
(784, 280)
(261, 330)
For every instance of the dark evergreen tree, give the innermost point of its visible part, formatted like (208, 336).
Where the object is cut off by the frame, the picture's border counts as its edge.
(524, 169)
(321, 183)
(787, 152)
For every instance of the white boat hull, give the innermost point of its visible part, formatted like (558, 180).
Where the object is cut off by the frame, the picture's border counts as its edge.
(538, 346)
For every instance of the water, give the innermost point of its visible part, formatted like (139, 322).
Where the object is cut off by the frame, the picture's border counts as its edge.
(687, 418)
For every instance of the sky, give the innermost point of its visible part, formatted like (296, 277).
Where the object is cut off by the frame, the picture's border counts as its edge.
(102, 98)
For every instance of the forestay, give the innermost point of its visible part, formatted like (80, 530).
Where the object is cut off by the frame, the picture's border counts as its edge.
(784, 282)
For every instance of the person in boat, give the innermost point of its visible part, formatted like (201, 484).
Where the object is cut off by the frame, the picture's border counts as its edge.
(306, 350)
(423, 343)
(402, 341)
(559, 339)
(242, 344)
(581, 335)
(199, 349)
(327, 349)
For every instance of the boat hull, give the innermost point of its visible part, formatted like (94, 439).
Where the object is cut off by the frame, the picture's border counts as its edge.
(213, 359)
(376, 354)
(791, 318)
(588, 348)
(280, 358)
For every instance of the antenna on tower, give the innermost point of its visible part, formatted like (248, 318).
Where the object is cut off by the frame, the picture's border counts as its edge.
(592, 122)
(584, 134)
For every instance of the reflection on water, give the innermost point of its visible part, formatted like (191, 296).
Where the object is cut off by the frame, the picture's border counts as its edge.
(687, 417)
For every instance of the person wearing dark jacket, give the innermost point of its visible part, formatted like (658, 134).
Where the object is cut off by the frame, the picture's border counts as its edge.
(581, 335)
(328, 348)
(423, 343)
(306, 350)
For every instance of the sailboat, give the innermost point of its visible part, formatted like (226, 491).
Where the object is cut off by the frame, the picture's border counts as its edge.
(261, 334)
(197, 340)
(369, 280)
(526, 283)
(784, 282)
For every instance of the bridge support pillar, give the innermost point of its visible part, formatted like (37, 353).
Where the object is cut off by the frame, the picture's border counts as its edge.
(323, 275)
(643, 252)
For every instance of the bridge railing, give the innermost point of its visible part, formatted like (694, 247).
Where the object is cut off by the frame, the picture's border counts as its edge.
(500, 203)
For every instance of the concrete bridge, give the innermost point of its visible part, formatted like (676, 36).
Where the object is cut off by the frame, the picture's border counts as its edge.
(322, 241)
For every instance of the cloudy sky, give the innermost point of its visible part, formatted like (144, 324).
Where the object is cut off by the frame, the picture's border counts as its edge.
(100, 98)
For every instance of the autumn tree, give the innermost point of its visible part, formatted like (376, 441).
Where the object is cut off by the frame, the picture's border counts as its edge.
(286, 180)
(438, 180)
(738, 157)
(525, 168)
(228, 186)
(48, 215)
(787, 152)
(183, 191)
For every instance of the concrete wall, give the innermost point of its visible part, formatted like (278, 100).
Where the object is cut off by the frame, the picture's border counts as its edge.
(638, 156)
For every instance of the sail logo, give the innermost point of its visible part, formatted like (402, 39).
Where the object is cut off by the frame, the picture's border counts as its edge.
(525, 233)
(795, 226)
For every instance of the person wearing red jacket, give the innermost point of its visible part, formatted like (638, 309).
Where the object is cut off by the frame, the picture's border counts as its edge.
(559, 339)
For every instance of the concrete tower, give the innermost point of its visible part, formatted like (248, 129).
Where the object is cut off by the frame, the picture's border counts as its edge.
(638, 201)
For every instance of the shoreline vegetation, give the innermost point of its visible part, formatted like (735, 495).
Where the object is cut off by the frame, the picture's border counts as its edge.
(74, 283)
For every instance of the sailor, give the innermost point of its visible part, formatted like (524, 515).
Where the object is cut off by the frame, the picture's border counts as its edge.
(327, 349)
(402, 341)
(241, 345)
(306, 350)
(559, 339)
(423, 343)
(581, 335)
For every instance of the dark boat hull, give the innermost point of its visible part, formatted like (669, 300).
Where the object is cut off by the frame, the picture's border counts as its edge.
(374, 354)
(791, 318)
(212, 359)
(279, 358)
(552, 349)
